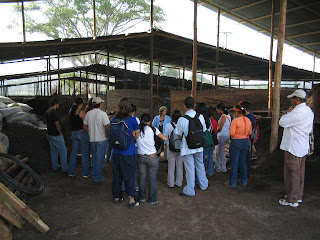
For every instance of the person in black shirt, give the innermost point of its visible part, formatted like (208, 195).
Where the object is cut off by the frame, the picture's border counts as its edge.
(55, 137)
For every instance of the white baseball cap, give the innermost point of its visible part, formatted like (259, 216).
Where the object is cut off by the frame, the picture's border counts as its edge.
(299, 93)
(97, 100)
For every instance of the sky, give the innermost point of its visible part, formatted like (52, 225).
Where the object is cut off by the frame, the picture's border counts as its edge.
(179, 20)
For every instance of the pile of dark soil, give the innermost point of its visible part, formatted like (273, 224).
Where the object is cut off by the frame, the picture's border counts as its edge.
(28, 141)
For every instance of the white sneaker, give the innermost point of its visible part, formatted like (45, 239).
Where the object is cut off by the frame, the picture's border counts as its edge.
(299, 201)
(285, 203)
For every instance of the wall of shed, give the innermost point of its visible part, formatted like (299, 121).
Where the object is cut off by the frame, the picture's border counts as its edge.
(141, 98)
(316, 103)
(257, 97)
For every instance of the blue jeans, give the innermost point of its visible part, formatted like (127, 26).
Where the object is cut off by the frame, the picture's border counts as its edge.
(146, 164)
(208, 162)
(194, 163)
(58, 148)
(124, 169)
(80, 139)
(109, 152)
(238, 160)
(98, 154)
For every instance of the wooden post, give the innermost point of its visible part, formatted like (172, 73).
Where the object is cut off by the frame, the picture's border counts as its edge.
(151, 15)
(96, 84)
(229, 77)
(313, 69)
(270, 59)
(212, 82)
(179, 79)
(151, 72)
(125, 71)
(94, 20)
(108, 70)
(140, 76)
(158, 77)
(80, 84)
(87, 86)
(49, 65)
(23, 22)
(59, 78)
(195, 51)
(239, 81)
(201, 85)
(183, 72)
(217, 52)
(277, 78)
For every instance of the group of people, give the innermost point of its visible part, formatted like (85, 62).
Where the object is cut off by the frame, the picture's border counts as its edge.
(189, 141)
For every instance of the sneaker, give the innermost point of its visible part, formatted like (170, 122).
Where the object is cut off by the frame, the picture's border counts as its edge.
(71, 176)
(142, 200)
(285, 203)
(299, 201)
(152, 203)
(133, 205)
(117, 201)
(137, 188)
(87, 176)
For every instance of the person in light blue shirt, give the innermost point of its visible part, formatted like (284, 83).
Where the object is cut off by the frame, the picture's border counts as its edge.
(192, 158)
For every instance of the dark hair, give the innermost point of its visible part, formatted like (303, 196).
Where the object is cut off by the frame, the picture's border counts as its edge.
(222, 107)
(133, 108)
(189, 102)
(175, 116)
(202, 109)
(123, 109)
(77, 102)
(89, 104)
(245, 104)
(96, 105)
(242, 110)
(144, 119)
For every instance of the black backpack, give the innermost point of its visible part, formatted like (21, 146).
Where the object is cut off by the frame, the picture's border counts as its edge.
(195, 138)
(174, 141)
(157, 141)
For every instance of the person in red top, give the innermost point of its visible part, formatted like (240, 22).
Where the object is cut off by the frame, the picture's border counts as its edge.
(240, 130)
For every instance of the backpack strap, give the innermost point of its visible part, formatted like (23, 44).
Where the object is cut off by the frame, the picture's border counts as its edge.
(154, 130)
(174, 127)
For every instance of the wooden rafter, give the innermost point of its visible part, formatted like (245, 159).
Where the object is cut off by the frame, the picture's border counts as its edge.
(245, 6)
(295, 24)
(303, 34)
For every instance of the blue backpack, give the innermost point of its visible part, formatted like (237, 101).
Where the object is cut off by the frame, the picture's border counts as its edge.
(120, 136)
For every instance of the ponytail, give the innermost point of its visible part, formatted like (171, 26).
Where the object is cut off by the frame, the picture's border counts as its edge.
(73, 109)
(144, 119)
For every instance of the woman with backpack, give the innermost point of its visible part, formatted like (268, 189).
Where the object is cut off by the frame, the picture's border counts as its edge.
(209, 146)
(175, 160)
(148, 161)
(80, 138)
(223, 137)
(240, 130)
(124, 159)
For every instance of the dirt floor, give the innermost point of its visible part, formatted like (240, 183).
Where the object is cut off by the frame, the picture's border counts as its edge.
(77, 208)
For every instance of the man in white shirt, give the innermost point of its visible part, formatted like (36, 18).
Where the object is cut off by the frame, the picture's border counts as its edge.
(97, 123)
(297, 124)
(192, 158)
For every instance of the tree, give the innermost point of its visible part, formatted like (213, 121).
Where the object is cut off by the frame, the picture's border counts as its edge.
(74, 18)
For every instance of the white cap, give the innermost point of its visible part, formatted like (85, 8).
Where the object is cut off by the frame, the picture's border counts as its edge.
(97, 100)
(299, 93)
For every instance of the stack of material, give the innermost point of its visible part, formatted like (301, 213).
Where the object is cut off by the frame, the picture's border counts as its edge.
(13, 209)
(14, 112)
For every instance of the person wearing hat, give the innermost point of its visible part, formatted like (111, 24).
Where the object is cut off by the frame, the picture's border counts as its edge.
(240, 130)
(97, 123)
(160, 121)
(297, 124)
(55, 137)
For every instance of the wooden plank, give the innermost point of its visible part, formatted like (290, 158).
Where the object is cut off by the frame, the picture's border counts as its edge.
(5, 231)
(7, 214)
(22, 209)
(11, 170)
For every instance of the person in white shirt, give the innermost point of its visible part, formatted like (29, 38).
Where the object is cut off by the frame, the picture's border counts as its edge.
(175, 160)
(148, 161)
(297, 124)
(96, 123)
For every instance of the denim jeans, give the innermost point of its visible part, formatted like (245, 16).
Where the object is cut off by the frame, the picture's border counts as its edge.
(109, 152)
(98, 154)
(238, 160)
(208, 160)
(124, 169)
(194, 163)
(220, 164)
(58, 148)
(80, 139)
(148, 164)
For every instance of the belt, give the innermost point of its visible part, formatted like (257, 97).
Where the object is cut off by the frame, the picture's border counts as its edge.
(150, 155)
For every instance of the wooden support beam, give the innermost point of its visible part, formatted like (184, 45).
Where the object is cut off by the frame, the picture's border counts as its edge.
(245, 6)
(158, 78)
(313, 69)
(217, 52)
(59, 79)
(296, 24)
(277, 78)
(125, 71)
(10, 216)
(271, 59)
(108, 70)
(201, 85)
(151, 15)
(183, 73)
(80, 83)
(94, 20)
(22, 209)
(303, 34)
(229, 77)
(195, 51)
(151, 71)
(5, 231)
(139, 76)
(23, 22)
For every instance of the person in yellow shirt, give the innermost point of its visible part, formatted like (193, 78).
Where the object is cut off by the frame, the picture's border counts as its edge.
(240, 130)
